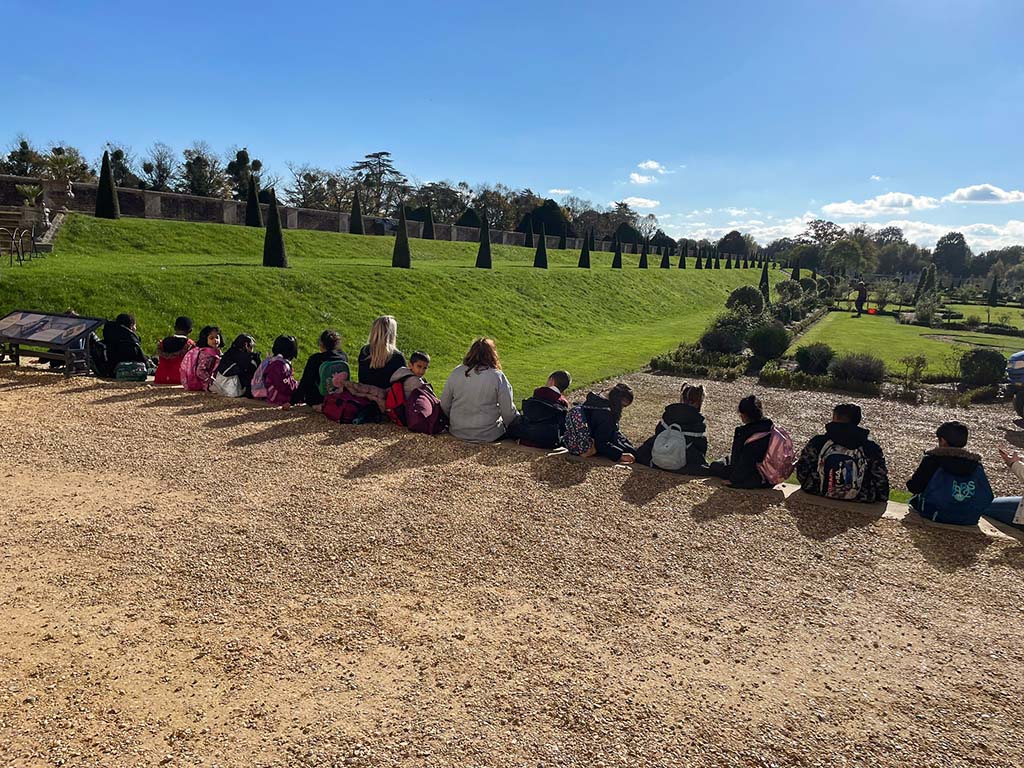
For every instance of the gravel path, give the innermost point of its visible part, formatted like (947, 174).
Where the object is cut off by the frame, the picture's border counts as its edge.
(186, 580)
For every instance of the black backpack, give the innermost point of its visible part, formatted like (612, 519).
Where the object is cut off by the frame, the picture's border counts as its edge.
(542, 423)
(97, 354)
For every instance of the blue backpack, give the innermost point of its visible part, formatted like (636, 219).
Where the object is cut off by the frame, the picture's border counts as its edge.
(956, 499)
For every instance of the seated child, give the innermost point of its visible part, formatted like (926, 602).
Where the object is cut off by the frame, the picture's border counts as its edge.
(750, 442)
(412, 375)
(950, 485)
(421, 409)
(328, 361)
(200, 363)
(685, 449)
(1009, 509)
(240, 361)
(542, 419)
(122, 345)
(170, 352)
(274, 380)
(593, 428)
(843, 463)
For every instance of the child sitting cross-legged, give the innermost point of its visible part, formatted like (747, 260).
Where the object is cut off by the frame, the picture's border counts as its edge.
(680, 442)
(542, 420)
(950, 485)
(170, 352)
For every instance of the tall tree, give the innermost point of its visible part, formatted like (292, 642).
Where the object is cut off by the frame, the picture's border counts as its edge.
(584, 262)
(382, 184)
(732, 243)
(483, 253)
(122, 165)
(159, 168)
(764, 285)
(355, 219)
(273, 240)
(107, 206)
(253, 212)
(240, 172)
(951, 254)
(993, 297)
(540, 258)
(202, 173)
(796, 269)
(23, 159)
(617, 258)
(401, 257)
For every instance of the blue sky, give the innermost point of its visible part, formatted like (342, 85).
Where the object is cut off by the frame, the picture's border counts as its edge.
(755, 115)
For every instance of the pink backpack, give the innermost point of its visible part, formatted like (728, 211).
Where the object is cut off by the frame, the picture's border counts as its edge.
(259, 379)
(779, 458)
(197, 368)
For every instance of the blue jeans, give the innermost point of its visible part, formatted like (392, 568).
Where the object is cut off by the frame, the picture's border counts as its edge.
(1003, 509)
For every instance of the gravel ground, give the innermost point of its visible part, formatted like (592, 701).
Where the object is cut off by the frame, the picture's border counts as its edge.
(186, 580)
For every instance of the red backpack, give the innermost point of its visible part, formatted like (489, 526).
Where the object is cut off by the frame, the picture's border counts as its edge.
(344, 407)
(394, 402)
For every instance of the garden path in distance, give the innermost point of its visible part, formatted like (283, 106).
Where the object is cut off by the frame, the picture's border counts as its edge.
(188, 580)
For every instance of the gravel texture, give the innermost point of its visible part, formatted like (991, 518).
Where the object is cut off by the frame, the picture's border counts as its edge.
(187, 580)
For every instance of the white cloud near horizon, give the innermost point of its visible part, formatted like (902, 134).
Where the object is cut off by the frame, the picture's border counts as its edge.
(984, 193)
(654, 165)
(640, 202)
(888, 204)
(639, 178)
(875, 177)
(559, 191)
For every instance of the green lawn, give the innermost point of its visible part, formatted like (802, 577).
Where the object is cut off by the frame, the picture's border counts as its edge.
(1013, 316)
(596, 323)
(885, 338)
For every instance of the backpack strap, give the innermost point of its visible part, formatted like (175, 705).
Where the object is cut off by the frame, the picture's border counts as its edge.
(758, 436)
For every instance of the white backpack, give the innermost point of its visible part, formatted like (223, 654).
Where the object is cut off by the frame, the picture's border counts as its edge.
(670, 447)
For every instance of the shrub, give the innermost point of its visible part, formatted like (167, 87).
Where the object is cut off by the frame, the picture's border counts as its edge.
(691, 360)
(253, 212)
(824, 286)
(769, 342)
(972, 322)
(273, 239)
(982, 368)
(722, 340)
(857, 366)
(401, 257)
(809, 285)
(788, 290)
(748, 297)
(107, 206)
(783, 313)
(927, 312)
(355, 218)
(814, 359)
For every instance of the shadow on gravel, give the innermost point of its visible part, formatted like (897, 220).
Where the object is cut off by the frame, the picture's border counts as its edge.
(821, 522)
(286, 425)
(407, 452)
(559, 472)
(1014, 438)
(729, 501)
(643, 486)
(946, 548)
(137, 392)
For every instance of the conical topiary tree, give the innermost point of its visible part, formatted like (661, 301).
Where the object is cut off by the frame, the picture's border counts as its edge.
(401, 257)
(355, 219)
(253, 212)
(592, 240)
(709, 261)
(540, 258)
(682, 256)
(585, 252)
(428, 224)
(796, 269)
(563, 236)
(763, 286)
(665, 262)
(617, 258)
(643, 255)
(718, 258)
(728, 261)
(107, 206)
(529, 233)
(483, 253)
(273, 240)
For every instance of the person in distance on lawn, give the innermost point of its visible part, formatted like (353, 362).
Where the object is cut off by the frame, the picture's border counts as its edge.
(843, 463)
(950, 485)
(683, 417)
(542, 421)
(749, 445)
(477, 397)
(603, 413)
(309, 389)
(170, 351)
(862, 297)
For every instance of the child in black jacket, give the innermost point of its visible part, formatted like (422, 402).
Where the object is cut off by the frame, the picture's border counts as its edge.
(749, 445)
(603, 414)
(687, 416)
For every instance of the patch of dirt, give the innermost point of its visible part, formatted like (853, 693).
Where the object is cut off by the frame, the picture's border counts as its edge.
(188, 580)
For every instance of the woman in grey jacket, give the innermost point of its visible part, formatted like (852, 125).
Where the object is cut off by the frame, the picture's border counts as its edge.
(478, 398)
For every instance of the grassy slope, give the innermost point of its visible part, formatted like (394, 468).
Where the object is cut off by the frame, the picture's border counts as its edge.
(885, 338)
(595, 323)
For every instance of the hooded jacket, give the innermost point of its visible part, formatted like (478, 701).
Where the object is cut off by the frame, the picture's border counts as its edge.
(308, 391)
(238, 362)
(956, 461)
(410, 381)
(170, 352)
(604, 430)
(741, 470)
(542, 420)
(876, 481)
(689, 419)
(123, 346)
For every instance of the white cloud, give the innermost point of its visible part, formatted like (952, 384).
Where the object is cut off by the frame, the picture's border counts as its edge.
(640, 202)
(654, 165)
(760, 231)
(891, 203)
(667, 215)
(739, 211)
(559, 191)
(695, 213)
(639, 178)
(984, 193)
(980, 236)
(875, 177)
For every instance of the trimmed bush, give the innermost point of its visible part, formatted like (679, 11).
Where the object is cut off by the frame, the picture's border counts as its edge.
(824, 286)
(643, 256)
(253, 212)
(691, 360)
(584, 262)
(529, 233)
(769, 342)
(483, 253)
(764, 286)
(721, 340)
(355, 219)
(666, 262)
(856, 366)
(562, 236)
(401, 257)
(428, 225)
(747, 297)
(783, 313)
(809, 285)
(814, 359)
(273, 240)
(469, 218)
(107, 206)
(789, 290)
(982, 368)
(540, 258)
(617, 258)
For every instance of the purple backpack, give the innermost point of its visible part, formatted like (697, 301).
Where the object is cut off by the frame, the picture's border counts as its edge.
(423, 412)
(779, 458)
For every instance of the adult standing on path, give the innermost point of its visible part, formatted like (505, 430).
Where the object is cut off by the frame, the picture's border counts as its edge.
(862, 296)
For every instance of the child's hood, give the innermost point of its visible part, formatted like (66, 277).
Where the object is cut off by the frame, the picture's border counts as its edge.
(401, 373)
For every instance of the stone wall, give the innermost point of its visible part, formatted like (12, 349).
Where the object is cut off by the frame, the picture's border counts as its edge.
(172, 205)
